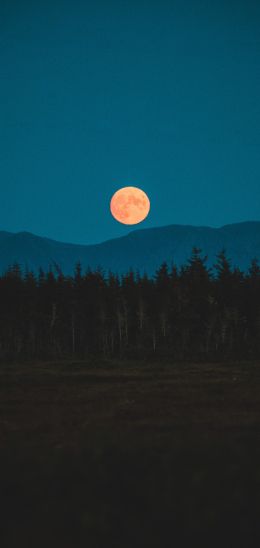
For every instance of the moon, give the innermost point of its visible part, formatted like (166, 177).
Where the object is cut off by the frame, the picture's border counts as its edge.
(130, 205)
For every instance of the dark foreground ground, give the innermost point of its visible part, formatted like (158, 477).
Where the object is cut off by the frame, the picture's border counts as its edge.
(130, 456)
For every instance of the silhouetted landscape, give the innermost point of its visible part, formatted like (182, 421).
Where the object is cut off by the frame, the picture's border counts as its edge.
(129, 406)
(187, 313)
(142, 249)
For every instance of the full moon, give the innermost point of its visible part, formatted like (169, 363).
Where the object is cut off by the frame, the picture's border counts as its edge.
(130, 205)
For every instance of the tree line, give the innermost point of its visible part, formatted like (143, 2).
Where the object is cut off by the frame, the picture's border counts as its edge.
(188, 313)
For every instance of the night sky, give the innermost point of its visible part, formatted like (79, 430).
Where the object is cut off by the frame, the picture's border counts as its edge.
(163, 95)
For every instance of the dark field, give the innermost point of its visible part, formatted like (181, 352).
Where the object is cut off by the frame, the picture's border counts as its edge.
(127, 456)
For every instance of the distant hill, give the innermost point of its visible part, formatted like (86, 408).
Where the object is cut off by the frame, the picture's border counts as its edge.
(143, 249)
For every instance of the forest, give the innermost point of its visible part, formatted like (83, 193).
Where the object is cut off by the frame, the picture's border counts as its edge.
(184, 314)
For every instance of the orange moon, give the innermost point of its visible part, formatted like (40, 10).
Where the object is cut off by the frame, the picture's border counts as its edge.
(130, 205)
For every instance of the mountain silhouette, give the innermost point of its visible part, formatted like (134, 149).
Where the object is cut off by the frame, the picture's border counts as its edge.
(142, 249)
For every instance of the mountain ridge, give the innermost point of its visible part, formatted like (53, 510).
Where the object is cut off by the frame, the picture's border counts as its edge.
(141, 249)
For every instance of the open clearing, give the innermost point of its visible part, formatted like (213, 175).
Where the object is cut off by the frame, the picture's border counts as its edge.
(130, 455)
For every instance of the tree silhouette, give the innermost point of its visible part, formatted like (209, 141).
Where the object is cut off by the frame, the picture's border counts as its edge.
(191, 313)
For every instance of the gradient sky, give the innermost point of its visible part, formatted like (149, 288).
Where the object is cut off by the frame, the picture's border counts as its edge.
(164, 95)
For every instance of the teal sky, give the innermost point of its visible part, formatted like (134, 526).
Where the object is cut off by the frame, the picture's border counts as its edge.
(99, 95)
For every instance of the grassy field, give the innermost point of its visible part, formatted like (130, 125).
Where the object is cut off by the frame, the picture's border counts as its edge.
(130, 456)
